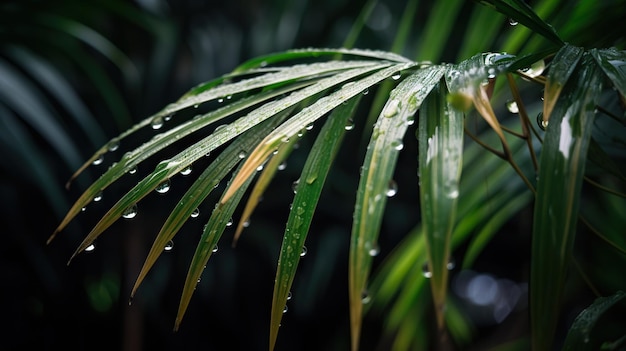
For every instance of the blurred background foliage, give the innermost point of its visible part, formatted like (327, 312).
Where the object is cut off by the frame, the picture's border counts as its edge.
(74, 73)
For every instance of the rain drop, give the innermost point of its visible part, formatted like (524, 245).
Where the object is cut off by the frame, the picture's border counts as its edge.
(186, 171)
(169, 246)
(285, 309)
(282, 166)
(195, 213)
(229, 223)
(215, 249)
(132, 170)
(392, 188)
(513, 22)
(309, 126)
(163, 187)
(374, 250)
(242, 155)
(396, 76)
(365, 297)
(90, 248)
(130, 212)
(511, 105)
(397, 144)
(535, 69)
(113, 145)
(366, 91)
(303, 252)
(294, 186)
(98, 197)
(167, 118)
(542, 124)
(98, 161)
(220, 100)
(349, 125)
(451, 264)
(245, 223)
(157, 122)
(289, 296)
(426, 271)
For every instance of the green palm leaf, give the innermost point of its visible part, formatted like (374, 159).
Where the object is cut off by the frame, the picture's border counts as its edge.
(561, 172)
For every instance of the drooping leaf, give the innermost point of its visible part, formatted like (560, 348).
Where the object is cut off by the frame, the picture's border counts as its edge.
(579, 334)
(561, 68)
(308, 192)
(521, 12)
(440, 138)
(376, 174)
(201, 188)
(561, 170)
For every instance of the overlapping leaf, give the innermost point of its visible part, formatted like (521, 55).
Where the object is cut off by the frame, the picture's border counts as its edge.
(561, 171)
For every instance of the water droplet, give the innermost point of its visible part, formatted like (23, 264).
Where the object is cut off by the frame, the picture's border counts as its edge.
(542, 124)
(130, 212)
(229, 223)
(366, 91)
(98, 160)
(260, 168)
(186, 171)
(513, 22)
(374, 250)
(132, 170)
(285, 309)
(113, 145)
(451, 264)
(392, 188)
(98, 197)
(294, 186)
(391, 109)
(215, 249)
(167, 118)
(90, 248)
(242, 155)
(289, 296)
(157, 122)
(426, 271)
(396, 76)
(491, 73)
(535, 69)
(220, 100)
(349, 124)
(195, 213)
(163, 187)
(246, 223)
(303, 252)
(410, 120)
(83, 209)
(365, 297)
(169, 246)
(397, 144)
(511, 105)
(282, 166)
(309, 126)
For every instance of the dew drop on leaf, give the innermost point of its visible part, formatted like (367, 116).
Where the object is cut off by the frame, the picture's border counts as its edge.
(169, 246)
(511, 105)
(130, 212)
(513, 22)
(215, 249)
(163, 187)
(426, 271)
(113, 145)
(157, 122)
(303, 252)
(98, 160)
(186, 171)
(195, 213)
(349, 125)
(392, 188)
(397, 144)
(90, 248)
(98, 197)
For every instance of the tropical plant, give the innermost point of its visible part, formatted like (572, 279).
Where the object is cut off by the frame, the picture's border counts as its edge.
(248, 122)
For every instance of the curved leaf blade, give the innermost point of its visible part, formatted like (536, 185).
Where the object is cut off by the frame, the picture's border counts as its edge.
(561, 170)
(376, 174)
(440, 137)
(308, 192)
(561, 68)
(200, 189)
